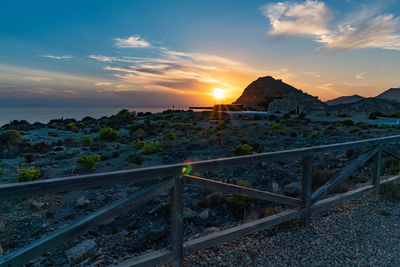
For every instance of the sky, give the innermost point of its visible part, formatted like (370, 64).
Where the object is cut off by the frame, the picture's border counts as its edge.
(163, 53)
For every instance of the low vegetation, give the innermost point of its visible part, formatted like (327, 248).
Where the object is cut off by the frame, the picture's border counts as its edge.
(241, 150)
(87, 162)
(153, 147)
(390, 191)
(28, 174)
(108, 134)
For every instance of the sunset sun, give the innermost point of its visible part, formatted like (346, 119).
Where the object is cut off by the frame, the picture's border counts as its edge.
(218, 93)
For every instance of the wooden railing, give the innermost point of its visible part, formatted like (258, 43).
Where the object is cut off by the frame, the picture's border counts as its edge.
(172, 177)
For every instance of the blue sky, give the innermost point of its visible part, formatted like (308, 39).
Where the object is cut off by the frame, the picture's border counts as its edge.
(152, 53)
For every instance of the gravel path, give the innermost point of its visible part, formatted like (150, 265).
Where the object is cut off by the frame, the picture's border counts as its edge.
(362, 232)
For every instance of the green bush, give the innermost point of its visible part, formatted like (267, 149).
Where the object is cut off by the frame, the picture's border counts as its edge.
(170, 136)
(71, 127)
(86, 140)
(162, 123)
(177, 125)
(28, 174)
(87, 162)
(288, 121)
(108, 134)
(222, 126)
(153, 147)
(137, 159)
(243, 149)
(314, 135)
(239, 204)
(390, 191)
(348, 122)
(140, 133)
(9, 137)
(53, 125)
(138, 144)
(275, 126)
(383, 126)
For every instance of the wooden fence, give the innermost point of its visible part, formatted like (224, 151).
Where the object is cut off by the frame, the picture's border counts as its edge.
(171, 177)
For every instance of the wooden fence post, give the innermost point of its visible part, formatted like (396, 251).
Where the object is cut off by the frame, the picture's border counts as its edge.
(376, 170)
(306, 184)
(177, 221)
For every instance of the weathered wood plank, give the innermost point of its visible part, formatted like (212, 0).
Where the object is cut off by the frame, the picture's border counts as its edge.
(390, 153)
(241, 230)
(55, 185)
(340, 198)
(306, 182)
(24, 254)
(344, 174)
(177, 221)
(163, 256)
(240, 190)
(376, 172)
(155, 258)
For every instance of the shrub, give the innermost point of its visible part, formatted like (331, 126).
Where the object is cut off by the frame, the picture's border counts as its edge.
(71, 127)
(163, 123)
(1, 171)
(86, 140)
(267, 212)
(138, 144)
(394, 168)
(390, 191)
(9, 137)
(275, 126)
(87, 162)
(152, 148)
(255, 145)
(28, 174)
(348, 122)
(108, 134)
(288, 121)
(383, 126)
(177, 125)
(314, 135)
(320, 176)
(137, 159)
(53, 125)
(243, 149)
(222, 126)
(239, 204)
(170, 136)
(353, 130)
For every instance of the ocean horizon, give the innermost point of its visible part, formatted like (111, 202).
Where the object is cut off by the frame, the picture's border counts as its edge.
(46, 113)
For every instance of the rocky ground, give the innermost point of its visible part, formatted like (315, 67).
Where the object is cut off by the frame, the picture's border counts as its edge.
(52, 150)
(363, 232)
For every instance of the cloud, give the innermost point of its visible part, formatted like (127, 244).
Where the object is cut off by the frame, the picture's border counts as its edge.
(313, 74)
(363, 29)
(102, 84)
(56, 57)
(360, 75)
(37, 79)
(131, 42)
(382, 32)
(309, 18)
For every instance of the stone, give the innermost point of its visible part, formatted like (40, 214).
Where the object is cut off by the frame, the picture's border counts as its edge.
(82, 201)
(36, 204)
(189, 214)
(275, 187)
(293, 189)
(82, 249)
(204, 214)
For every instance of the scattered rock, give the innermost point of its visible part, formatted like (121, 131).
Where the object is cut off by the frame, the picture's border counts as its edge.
(189, 214)
(204, 214)
(275, 187)
(82, 249)
(82, 201)
(293, 189)
(36, 204)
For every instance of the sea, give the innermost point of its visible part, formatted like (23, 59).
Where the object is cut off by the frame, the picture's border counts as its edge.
(44, 114)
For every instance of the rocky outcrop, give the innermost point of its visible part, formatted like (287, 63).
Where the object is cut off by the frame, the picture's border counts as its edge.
(368, 106)
(344, 100)
(390, 94)
(267, 93)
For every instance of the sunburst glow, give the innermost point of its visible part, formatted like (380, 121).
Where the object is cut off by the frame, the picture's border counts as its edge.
(218, 93)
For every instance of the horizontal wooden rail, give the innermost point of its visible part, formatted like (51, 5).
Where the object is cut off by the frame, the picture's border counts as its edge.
(165, 255)
(343, 175)
(390, 153)
(37, 248)
(56, 185)
(240, 190)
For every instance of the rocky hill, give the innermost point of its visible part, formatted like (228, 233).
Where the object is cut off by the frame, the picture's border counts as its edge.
(344, 100)
(391, 94)
(367, 106)
(267, 93)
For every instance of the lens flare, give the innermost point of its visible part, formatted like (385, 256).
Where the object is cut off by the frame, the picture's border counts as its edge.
(218, 93)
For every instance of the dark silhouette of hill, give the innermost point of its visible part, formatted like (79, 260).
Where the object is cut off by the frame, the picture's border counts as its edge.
(267, 93)
(344, 100)
(390, 94)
